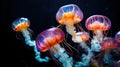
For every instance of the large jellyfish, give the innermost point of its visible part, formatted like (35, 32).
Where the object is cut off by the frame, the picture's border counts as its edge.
(107, 45)
(21, 25)
(50, 39)
(97, 24)
(69, 15)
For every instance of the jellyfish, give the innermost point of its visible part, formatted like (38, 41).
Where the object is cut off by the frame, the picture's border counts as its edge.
(69, 15)
(107, 45)
(22, 25)
(117, 37)
(86, 58)
(50, 39)
(97, 24)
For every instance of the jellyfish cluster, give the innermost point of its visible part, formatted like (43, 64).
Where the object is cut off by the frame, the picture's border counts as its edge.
(98, 48)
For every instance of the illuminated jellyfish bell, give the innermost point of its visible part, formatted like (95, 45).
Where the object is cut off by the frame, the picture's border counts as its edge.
(98, 24)
(108, 44)
(117, 37)
(49, 38)
(20, 24)
(69, 15)
(82, 37)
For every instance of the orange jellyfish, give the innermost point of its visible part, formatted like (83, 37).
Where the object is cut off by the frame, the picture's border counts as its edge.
(97, 24)
(69, 15)
(107, 45)
(50, 39)
(22, 25)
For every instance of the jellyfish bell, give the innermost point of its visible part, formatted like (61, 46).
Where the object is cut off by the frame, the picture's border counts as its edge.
(20, 24)
(108, 44)
(117, 37)
(81, 37)
(98, 24)
(69, 14)
(49, 38)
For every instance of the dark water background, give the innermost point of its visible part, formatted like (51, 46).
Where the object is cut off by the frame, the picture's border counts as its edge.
(42, 16)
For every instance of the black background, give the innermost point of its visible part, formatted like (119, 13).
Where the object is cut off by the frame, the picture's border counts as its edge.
(41, 14)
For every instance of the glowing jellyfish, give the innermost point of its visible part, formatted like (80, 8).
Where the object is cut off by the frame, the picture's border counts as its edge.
(107, 45)
(21, 25)
(117, 37)
(69, 15)
(82, 37)
(49, 40)
(97, 24)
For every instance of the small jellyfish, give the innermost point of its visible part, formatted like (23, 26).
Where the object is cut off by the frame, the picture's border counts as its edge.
(117, 37)
(82, 37)
(50, 39)
(69, 15)
(22, 25)
(97, 24)
(107, 45)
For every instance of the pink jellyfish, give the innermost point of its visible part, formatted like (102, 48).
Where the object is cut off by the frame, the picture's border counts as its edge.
(50, 39)
(97, 24)
(107, 45)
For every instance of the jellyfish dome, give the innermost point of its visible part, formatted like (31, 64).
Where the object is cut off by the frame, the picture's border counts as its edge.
(20, 24)
(108, 43)
(117, 36)
(81, 37)
(48, 38)
(98, 22)
(69, 14)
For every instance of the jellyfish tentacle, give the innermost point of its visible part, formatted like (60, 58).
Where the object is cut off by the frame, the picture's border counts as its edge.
(62, 56)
